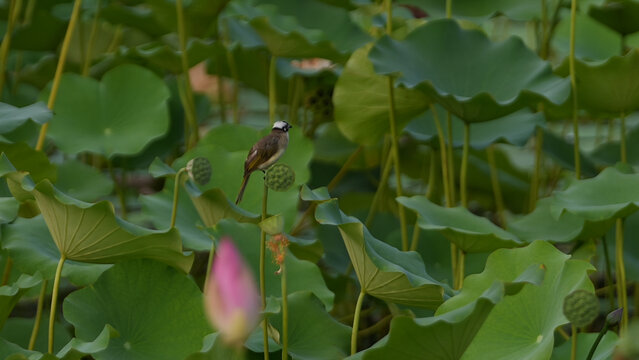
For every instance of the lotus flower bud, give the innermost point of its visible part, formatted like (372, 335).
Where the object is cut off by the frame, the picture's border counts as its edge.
(231, 298)
(581, 307)
(199, 170)
(280, 177)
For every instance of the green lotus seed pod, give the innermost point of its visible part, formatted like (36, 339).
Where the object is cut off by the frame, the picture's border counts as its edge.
(280, 177)
(581, 307)
(199, 170)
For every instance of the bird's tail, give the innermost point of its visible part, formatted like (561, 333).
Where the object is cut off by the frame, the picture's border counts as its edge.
(241, 193)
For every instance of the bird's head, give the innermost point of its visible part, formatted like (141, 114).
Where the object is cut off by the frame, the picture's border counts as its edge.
(282, 125)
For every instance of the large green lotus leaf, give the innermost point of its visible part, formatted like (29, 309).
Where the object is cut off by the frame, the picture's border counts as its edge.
(25, 158)
(609, 88)
(522, 326)
(226, 147)
(12, 117)
(32, 249)
(471, 233)
(294, 29)
(8, 209)
(11, 351)
(11, 294)
(541, 225)
(479, 10)
(82, 181)
(213, 206)
(600, 200)
(515, 128)
(503, 77)
(361, 101)
(446, 336)
(156, 310)
(92, 233)
(159, 206)
(302, 275)
(199, 15)
(584, 342)
(313, 333)
(118, 115)
(593, 41)
(383, 271)
(619, 15)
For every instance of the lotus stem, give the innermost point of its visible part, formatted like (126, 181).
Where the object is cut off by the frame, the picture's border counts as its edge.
(284, 312)
(611, 284)
(15, 7)
(230, 59)
(6, 274)
(395, 153)
(192, 136)
(573, 347)
(272, 89)
(75, 14)
(176, 192)
(534, 182)
(380, 188)
(451, 160)
(94, 30)
(624, 152)
(263, 270)
(444, 157)
(573, 83)
(463, 175)
(54, 301)
(358, 309)
(449, 9)
(494, 179)
(601, 334)
(622, 292)
(429, 194)
(38, 315)
(118, 189)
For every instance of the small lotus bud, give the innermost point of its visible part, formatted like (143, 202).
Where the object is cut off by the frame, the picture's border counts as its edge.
(280, 177)
(581, 307)
(231, 298)
(199, 170)
(614, 317)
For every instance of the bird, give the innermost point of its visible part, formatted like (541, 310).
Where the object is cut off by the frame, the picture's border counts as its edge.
(265, 153)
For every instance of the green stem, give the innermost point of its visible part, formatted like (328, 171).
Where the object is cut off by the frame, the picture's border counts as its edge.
(54, 301)
(461, 264)
(209, 265)
(115, 40)
(444, 157)
(75, 14)
(176, 191)
(94, 30)
(611, 284)
(188, 103)
(38, 315)
(449, 9)
(395, 150)
(463, 173)
(263, 270)
(534, 183)
(573, 83)
(593, 348)
(494, 179)
(284, 313)
(389, 16)
(622, 294)
(429, 195)
(624, 153)
(451, 160)
(543, 53)
(14, 10)
(272, 89)
(380, 188)
(7, 271)
(358, 309)
(230, 59)
(573, 347)
(118, 189)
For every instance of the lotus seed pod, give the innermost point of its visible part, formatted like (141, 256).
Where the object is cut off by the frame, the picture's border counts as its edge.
(581, 307)
(199, 170)
(280, 177)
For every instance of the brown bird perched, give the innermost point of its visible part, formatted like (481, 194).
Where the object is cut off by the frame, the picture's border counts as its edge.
(265, 153)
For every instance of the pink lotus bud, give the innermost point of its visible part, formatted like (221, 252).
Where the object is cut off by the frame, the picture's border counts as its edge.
(232, 301)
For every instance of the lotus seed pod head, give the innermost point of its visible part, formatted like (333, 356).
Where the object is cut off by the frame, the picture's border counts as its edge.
(614, 317)
(199, 170)
(280, 177)
(581, 307)
(231, 299)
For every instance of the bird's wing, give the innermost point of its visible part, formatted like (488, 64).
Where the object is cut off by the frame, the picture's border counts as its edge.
(268, 146)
